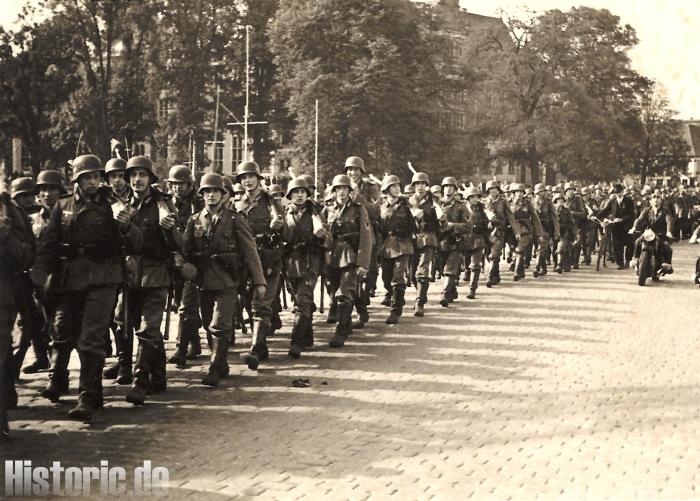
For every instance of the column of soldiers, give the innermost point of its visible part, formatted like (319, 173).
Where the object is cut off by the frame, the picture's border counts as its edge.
(118, 255)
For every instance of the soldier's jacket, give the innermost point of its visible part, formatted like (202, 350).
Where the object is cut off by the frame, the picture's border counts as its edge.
(548, 216)
(40, 220)
(660, 221)
(259, 212)
(567, 225)
(527, 218)
(304, 251)
(82, 245)
(396, 226)
(501, 216)
(480, 226)
(125, 193)
(578, 210)
(17, 249)
(351, 235)
(428, 225)
(455, 238)
(367, 194)
(187, 206)
(220, 245)
(153, 266)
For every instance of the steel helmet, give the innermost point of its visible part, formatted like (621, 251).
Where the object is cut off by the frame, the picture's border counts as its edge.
(420, 177)
(180, 174)
(247, 167)
(50, 178)
(569, 186)
(409, 189)
(84, 164)
(556, 189)
(212, 180)
(390, 180)
(298, 182)
(528, 191)
(516, 187)
(471, 191)
(115, 165)
(22, 186)
(228, 184)
(449, 180)
(540, 187)
(238, 188)
(493, 184)
(557, 196)
(276, 189)
(436, 189)
(310, 183)
(141, 162)
(585, 190)
(355, 162)
(328, 195)
(341, 180)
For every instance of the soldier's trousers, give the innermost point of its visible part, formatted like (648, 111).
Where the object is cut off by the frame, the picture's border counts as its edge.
(590, 239)
(343, 282)
(31, 321)
(396, 269)
(424, 260)
(82, 318)
(7, 376)
(303, 288)
(453, 262)
(146, 309)
(217, 307)
(545, 249)
(564, 253)
(188, 313)
(474, 258)
(579, 244)
(262, 306)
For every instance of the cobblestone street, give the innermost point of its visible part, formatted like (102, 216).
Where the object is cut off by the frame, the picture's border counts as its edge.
(580, 386)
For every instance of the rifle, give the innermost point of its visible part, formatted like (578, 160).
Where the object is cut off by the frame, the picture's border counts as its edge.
(168, 308)
(321, 309)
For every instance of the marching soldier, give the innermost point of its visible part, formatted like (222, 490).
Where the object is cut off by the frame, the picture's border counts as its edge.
(218, 240)
(528, 227)
(187, 202)
(114, 172)
(550, 226)
(479, 239)
(590, 227)
(304, 237)
(578, 211)
(396, 226)
(455, 227)
(567, 232)
(423, 205)
(500, 217)
(265, 217)
(349, 255)
(153, 212)
(16, 255)
(80, 248)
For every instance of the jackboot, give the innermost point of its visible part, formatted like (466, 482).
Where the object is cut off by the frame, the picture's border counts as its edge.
(344, 326)
(519, 268)
(308, 335)
(494, 274)
(58, 379)
(332, 312)
(474, 284)
(558, 267)
(145, 359)
(218, 365)
(296, 343)
(466, 276)
(112, 371)
(449, 293)
(159, 380)
(397, 304)
(179, 358)
(125, 357)
(90, 398)
(40, 345)
(258, 350)
(362, 314)
(422, 298)
(387, 298)
(195, 349)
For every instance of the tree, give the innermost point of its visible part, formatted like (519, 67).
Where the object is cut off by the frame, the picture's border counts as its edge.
(37, 76)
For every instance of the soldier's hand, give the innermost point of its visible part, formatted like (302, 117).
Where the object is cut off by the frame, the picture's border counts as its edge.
(361, 272)
(631, 232)
(320, 232)
(276, 224)
(123, 218)
(260, 291)
(418, 214)
(332, 217)
(617, 220)
(168, 222)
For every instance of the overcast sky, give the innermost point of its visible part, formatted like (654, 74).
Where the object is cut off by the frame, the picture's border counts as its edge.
(668, 31)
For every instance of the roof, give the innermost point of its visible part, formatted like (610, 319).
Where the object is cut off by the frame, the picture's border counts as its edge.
(693, 138)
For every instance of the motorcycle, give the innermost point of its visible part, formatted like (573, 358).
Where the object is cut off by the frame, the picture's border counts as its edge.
(650, 264)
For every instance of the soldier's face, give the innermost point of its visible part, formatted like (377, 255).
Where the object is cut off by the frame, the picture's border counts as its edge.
(139, 179)
(342, 193)
(179, 189)
(298, 196)
(656, 201)
(394, 190)
(249, 182)
(570, 194)
(49, 195)
(449, 190)
(89, 182)
(473, 200)
(116, 180)
(212, 196)
(421, 188)
(25, 200)
(494, 193)
(517, 195)
(354, 174)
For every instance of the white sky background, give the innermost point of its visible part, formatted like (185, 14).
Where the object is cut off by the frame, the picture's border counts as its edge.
(668, 32)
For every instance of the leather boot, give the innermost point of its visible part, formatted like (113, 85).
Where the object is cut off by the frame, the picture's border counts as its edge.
(58, 379)
(218, 365)
(296, 343)
(258, 350)
(449, 293)
(466, 276)
(362, 313)
(474, 284)
(387, 298)
(558, 267)
(90, 398)
(308, 334)
(333, 312)
(195, 349)
(344, 326)
(124, 371)
(519, 268)
(422, 298)
(159, 380)
(40, 344)
(8, 392)
(494, 274)
(397, 304)
(145, 357)
(112, 371)
(179, 358)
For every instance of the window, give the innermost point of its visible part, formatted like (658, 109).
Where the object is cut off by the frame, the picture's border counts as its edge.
(164, 107)
(236, 150)
(219, 156)
(458, 120)
(138, 148)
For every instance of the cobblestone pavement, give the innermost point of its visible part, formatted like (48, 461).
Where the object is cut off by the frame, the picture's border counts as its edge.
(581, 386)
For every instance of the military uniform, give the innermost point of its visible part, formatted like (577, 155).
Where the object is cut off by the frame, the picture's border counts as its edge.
(476, 244)
(567, 232)
(528, 227)
(219, 243)
(426, 241)
(661, 222)
(351, 247)
(500, 218)
(550, 226)
(16, 255)
(452, 244)
(580, 214)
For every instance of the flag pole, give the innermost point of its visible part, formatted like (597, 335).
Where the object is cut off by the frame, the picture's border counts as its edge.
(247, 92)
(316, 155)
